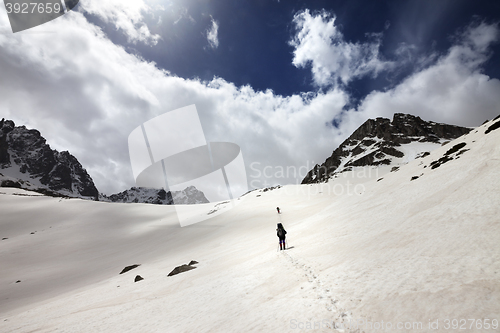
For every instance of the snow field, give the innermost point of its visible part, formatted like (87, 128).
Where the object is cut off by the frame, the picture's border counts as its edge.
(401, 250)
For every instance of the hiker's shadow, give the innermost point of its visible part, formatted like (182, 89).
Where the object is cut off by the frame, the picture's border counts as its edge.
(291, 247)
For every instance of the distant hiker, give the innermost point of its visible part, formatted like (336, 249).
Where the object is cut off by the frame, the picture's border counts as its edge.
(278, 209)
(281, 232)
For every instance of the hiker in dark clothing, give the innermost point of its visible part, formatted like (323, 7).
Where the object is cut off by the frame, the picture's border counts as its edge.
(281, 232)
(278, 209)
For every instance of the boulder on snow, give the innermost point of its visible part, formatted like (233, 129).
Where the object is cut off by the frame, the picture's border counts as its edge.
(10, 183)
(183, 268)
(138, 278)
(493, 127)
(128, 268)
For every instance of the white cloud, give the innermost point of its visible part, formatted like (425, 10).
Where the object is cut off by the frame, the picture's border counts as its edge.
(86, 95)
(212, 35)
(127, 16)
(320, 44)
(451, 90)
(184, 14)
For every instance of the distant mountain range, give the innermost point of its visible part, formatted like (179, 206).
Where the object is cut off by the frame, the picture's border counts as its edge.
(189, 196)
(28, 162)
(382, 142)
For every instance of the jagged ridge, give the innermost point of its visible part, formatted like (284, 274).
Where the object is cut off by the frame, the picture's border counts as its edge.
(26, 157)
(188, 196)
(28, 162)
(374, 142)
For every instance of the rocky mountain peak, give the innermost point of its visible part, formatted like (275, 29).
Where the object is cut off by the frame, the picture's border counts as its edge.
(28, 162)
(374, 143)
(404, 128)
(188, 196)
(28, 159)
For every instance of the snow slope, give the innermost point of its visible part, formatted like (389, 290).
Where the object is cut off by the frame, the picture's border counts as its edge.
(369, 245)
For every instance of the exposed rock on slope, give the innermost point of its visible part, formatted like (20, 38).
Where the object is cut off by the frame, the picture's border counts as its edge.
(27, 161)
(374, 143)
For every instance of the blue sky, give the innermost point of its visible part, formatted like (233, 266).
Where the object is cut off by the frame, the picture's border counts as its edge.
(254, 38)
(287, 81)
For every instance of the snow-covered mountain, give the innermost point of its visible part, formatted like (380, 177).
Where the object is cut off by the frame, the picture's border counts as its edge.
(415, 247)
(382, 142)
(27, 161)
(189, 196)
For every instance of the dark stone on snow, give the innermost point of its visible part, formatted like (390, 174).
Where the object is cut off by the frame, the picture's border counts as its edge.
(455, 148)
(128, 268)
(181, 269)
(493, 127)
(358, 150)
(18, 281)
(10, 183)
(442, 160)
(138, 278)
(424, 154)
(392, 151)
(192, 262)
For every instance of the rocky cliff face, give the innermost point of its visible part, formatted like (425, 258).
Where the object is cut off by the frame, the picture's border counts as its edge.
(28, 161)
(384, 142)
(188, 196)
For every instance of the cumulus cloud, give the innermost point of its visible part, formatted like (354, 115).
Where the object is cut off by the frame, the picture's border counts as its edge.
(86, 94)
(319, 43)
(184, 14)
(212, 35)
(126, 16)
(452, 90)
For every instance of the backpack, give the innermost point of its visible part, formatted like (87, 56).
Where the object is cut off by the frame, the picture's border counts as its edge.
(281, 233)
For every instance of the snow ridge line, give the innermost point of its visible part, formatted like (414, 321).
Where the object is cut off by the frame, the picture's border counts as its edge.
(323, 292)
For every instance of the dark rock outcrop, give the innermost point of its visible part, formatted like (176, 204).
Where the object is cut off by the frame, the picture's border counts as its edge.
(138, 278)
(493, 127)
(27, 151)
(28, 162)
(128, 268)
(378, 139)
(183, 268)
